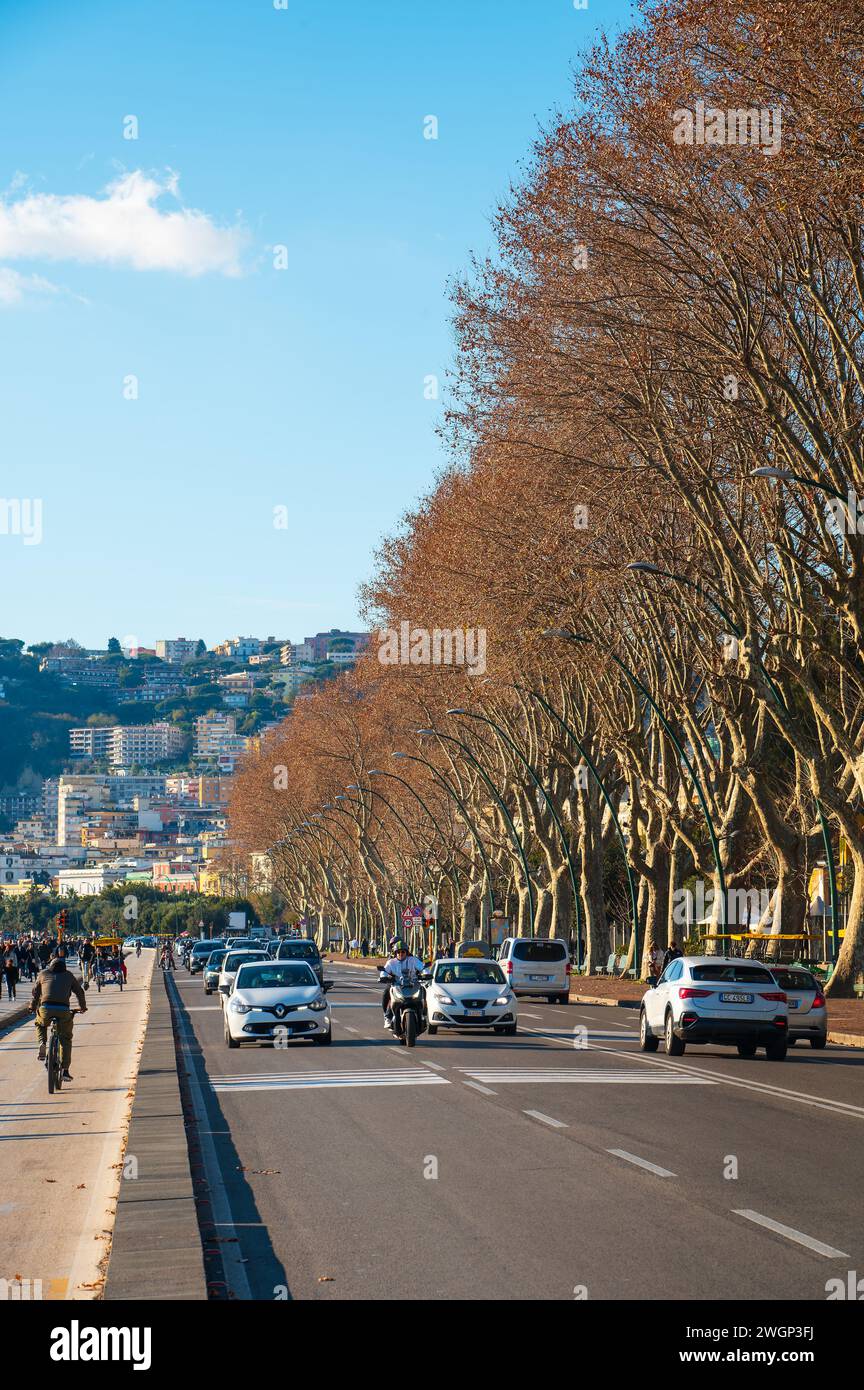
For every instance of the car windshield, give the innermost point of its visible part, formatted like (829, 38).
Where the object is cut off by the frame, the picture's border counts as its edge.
(214, 962)
(733, 974)
(796, 979)
(234, 959)
(278, 975)
(537, 951)
(298, 950)
(204, 948)
(469, 972)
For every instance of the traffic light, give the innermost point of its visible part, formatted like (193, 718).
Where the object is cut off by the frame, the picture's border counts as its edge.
(62, 920)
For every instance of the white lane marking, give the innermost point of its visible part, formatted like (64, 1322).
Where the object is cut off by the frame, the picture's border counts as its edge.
(524, 1014)
(203, 1009)
(641, 1163)
(475, 1086)
(328, 1080)
(545, 1119)
(576, 1076)
(348, 1028)
(434, 1065)
(817, 1246)
(354, 1006)
(838, 1107)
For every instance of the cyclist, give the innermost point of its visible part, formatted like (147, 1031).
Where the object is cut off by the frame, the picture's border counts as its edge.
(52, 992)
(137, 949)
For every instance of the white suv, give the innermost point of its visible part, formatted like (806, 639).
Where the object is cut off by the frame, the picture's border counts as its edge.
(711, 999)
(537, 965)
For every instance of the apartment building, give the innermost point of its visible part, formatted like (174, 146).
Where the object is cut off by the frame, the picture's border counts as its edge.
(176, 650)
(240, 648)
(124, 744)
(217, 740)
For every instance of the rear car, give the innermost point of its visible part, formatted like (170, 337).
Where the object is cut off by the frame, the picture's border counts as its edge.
(212, 970)
(231, 963)
(301, 949)
(711, 999)
(808, 1012)
(537, 965)
(197, 957)
(469, 994)
(272, 1001)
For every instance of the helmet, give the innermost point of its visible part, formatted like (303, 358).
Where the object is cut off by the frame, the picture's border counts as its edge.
(397, 945)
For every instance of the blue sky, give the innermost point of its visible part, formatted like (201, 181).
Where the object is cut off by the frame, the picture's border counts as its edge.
(257, 388)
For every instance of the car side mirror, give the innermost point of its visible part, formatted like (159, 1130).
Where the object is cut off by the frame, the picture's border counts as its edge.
(425, 974)
(327, 986)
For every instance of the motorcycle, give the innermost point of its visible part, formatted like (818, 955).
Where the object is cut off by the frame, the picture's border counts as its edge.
(407, 1008)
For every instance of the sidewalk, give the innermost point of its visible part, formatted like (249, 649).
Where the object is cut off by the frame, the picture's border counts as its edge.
(845, 1016)
(61, 1156)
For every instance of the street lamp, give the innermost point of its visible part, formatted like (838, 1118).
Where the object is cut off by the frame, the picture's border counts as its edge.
(679, 748)
(377, 772)
(642, 567)
(414, 758)
(514, 748)
(434, 733)
(785, 475)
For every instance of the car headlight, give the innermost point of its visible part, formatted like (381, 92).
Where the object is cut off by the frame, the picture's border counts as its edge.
(445, 999)
(503, 999)
(318, 1005)
(239, 1007)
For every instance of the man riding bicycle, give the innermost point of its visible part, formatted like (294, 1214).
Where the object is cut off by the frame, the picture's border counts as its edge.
(52, 992)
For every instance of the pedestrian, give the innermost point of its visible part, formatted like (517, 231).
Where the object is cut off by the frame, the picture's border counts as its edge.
(672, 953)
(10, 971)
(364, 948)
(655, 962)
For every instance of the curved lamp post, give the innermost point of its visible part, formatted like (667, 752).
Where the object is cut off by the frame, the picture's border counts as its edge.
(435, 733)
(641, 567)
(466, 816)
(516, 750)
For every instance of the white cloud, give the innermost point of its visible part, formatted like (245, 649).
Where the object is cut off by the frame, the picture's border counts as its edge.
(123, 228)
(15, 288)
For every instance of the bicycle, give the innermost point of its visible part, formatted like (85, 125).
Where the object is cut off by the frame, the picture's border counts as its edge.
(53, 1055)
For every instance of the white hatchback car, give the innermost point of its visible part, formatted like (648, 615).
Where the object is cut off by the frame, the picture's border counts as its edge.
(469, 993)
(712, 999)
(275, 999)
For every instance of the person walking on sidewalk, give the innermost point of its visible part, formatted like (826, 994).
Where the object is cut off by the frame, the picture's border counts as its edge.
(10, 971)
(52, 993)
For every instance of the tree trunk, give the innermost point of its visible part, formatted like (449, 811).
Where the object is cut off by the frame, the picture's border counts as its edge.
(850, 962)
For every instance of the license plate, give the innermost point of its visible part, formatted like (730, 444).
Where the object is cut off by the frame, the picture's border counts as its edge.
(736, 998)
(474, 1013)
(793, 1003)
(539, 978)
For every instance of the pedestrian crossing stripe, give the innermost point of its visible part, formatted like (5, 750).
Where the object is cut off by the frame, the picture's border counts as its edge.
(282, 1081)
(582, 1075)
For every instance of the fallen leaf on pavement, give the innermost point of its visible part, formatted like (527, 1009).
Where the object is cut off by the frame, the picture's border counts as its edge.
(326, 1279)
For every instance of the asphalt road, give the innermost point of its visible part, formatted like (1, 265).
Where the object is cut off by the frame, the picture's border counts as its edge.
(559, 1164)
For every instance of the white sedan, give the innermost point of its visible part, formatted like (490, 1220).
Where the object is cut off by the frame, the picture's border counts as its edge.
(470, 993)
(271, 1001)
(231, 962)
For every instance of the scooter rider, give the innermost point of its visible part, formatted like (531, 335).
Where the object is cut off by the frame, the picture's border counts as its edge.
(403, 963)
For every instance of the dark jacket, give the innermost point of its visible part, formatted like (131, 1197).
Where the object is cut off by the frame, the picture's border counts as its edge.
(56, 985)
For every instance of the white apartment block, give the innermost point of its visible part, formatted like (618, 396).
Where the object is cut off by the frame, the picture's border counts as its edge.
(176, 650)
(240, 648)
(124, 744)
(90, 881)
(296, 653)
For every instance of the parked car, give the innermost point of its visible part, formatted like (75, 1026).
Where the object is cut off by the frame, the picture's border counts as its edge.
(808, 1013)
(469, 993)
(212, 968)
(298, 948)
(197, 957)
(276, 999)
(711, 999)
(537, 965)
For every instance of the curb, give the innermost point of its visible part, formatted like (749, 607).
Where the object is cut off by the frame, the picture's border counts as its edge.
(846, 1039)
(605, 1003)
(156, 1251)
(15, 1016)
